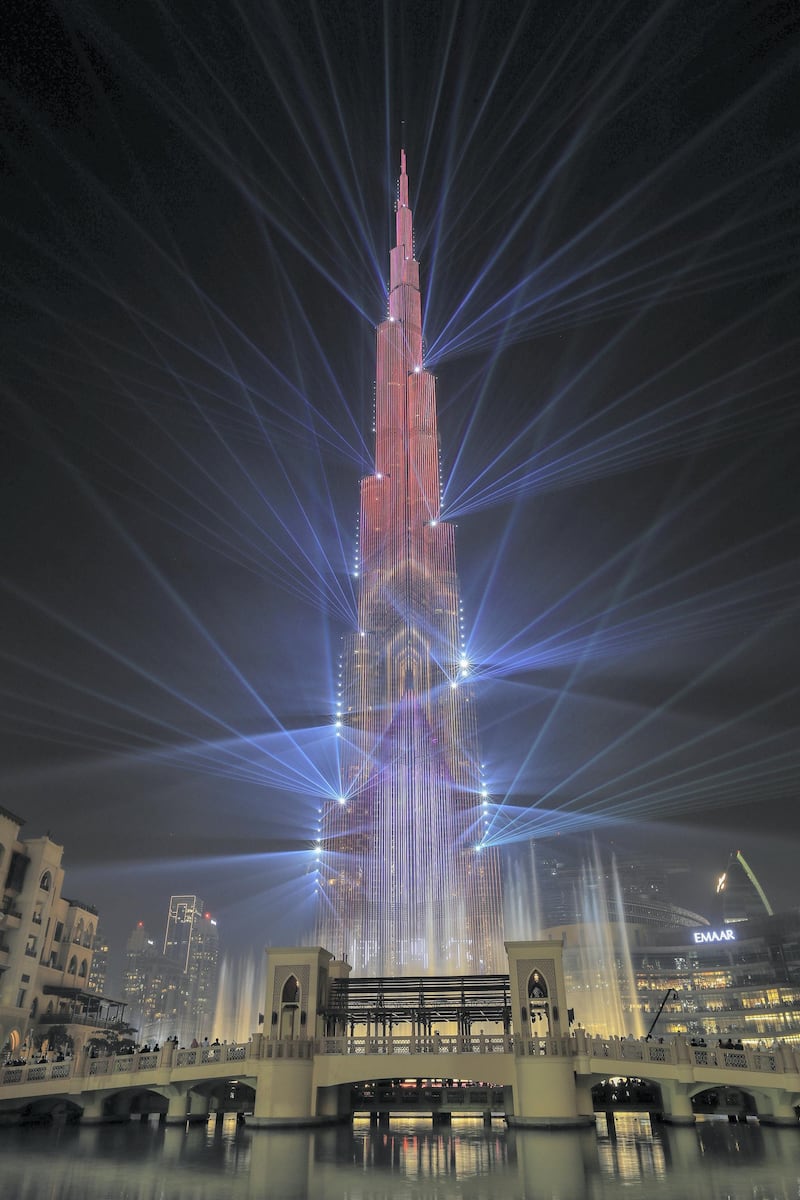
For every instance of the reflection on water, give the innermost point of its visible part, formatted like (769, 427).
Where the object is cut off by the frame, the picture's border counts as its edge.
(409, 1160)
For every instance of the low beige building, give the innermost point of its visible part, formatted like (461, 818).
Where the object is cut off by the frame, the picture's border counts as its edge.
(46, 946)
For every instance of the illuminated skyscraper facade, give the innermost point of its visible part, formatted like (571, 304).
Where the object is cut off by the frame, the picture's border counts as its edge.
(191, 941)
(405, 886)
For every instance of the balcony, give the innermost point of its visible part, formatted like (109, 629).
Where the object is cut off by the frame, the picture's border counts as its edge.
(69, 1018)
(53, 970)
(31, 952)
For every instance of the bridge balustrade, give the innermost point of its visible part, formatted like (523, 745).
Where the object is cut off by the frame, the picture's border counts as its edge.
(630, 1051)
(777, 1061)
(526, 1047)
(700, 1056)
(289, 1049)
(425, 1044)
(659, 1054)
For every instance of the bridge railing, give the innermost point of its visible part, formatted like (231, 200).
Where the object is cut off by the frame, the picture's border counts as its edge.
(424, 1044)
(289, 1048)
(20, 1073)
(552, 1047)
(124, 1064)
(777, 1060)
(197, 1056)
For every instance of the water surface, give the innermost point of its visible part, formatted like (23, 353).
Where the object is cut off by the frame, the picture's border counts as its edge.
(407, 1161)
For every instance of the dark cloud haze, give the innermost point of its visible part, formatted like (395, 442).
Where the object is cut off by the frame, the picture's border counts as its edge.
(196, 213)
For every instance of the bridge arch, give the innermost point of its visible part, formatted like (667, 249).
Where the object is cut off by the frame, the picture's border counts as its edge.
(132, 1101)
(730, 1100)
(634, 1093)
(51, 1110)
(229, 1095)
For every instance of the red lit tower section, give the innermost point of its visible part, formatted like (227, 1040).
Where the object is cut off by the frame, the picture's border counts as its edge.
(404, 887)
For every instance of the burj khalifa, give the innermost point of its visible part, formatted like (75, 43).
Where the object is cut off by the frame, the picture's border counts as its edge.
(406, 885)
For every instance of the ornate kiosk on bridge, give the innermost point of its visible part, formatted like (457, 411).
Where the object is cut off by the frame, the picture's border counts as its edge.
(327, 1032)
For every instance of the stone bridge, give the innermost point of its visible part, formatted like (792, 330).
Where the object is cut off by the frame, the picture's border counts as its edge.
(545, 1081)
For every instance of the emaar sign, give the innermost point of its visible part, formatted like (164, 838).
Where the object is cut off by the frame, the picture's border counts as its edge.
(714, 935)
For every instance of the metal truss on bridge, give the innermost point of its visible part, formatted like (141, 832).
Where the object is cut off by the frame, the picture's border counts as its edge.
(457, 1001)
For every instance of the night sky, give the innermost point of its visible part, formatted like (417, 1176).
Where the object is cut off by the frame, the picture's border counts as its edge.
(196, 213)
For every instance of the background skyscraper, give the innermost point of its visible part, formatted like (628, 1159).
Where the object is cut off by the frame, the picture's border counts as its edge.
(191, 941)
(404, 882)
(173, 992)
(155, 987)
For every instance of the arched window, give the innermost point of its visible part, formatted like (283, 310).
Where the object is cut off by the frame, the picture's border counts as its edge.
(77, 936)
(538, 1003)
(537, 987)
(45, 882)
(82, 971)
(88, 937)
(73, 965)
(291, 991)
(34, 1006)
(290, 1007)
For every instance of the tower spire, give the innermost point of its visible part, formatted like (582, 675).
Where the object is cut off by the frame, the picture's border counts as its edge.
(403, 193)
(405, 302)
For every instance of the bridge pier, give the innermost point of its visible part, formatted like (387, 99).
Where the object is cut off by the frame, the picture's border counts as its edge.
(185, 1106)
(93, 1108)
(583, 1101)
(545, 1096)
(781, 1109)
(677, 1103)
(285, 1093)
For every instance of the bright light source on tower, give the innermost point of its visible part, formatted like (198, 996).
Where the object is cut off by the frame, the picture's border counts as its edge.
(433, 522)
(417, 370)
(342, 799)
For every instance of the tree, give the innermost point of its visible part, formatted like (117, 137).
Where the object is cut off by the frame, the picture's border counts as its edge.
(113, 1039)
(57, 1037)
